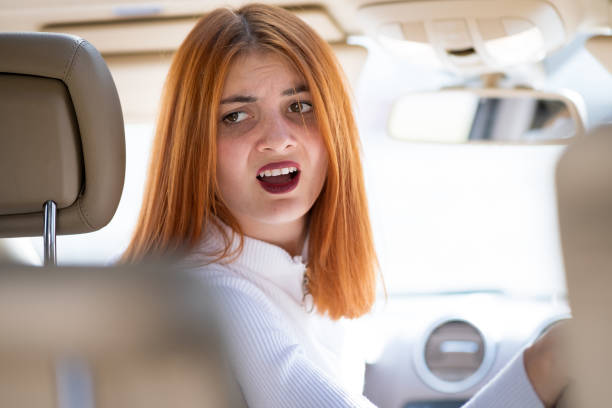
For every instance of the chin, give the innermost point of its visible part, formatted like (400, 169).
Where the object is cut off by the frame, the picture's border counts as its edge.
(282, 214)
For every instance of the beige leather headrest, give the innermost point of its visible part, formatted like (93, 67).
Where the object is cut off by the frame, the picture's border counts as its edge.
(584, 189)
(62, 135)
(600, 46)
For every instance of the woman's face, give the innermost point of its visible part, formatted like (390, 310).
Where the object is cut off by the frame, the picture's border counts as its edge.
(272, 161)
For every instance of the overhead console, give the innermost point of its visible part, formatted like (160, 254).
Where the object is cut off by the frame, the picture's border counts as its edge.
(471, 36)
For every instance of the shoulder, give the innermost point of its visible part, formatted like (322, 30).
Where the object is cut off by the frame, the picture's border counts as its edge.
(232, 289)
(222, 276)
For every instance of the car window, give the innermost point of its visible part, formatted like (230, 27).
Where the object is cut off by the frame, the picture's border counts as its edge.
(453, 218)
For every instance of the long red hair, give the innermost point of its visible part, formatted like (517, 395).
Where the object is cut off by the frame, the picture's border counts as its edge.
(182, 197)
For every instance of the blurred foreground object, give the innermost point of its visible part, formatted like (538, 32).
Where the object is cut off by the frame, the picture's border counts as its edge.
(584, 188)
(109, 337)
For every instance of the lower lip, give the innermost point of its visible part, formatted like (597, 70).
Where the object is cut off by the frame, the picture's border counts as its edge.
(280, 188)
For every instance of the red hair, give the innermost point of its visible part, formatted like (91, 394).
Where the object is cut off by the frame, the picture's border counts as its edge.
(182, 197)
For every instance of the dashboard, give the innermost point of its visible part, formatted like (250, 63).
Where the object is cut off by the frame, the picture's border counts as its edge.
(437, 351)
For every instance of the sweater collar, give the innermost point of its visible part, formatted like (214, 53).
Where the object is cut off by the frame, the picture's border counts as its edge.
(259, 261)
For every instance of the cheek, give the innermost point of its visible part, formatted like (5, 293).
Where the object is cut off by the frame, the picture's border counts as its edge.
(231, 161)
(223, 151)
(320, 159)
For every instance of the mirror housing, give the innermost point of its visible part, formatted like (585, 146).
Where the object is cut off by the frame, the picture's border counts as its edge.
(468, 115)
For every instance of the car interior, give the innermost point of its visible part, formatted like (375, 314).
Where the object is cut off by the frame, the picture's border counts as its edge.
(486, 137)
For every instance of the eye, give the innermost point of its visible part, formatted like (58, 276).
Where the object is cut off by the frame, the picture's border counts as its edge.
(235, 117)
(300, 107)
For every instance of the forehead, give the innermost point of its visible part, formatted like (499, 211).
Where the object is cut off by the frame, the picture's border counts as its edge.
(257, 72)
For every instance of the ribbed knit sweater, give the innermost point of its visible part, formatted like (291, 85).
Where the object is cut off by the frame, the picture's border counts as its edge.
(285, 354)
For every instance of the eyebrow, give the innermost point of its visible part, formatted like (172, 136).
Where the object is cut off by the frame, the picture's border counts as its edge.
(238, 98)
(250, 99)
(294, 91)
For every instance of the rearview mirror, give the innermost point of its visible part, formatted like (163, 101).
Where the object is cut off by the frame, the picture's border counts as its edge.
(485, 115)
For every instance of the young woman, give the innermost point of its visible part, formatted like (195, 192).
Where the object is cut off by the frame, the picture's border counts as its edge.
(256, 173)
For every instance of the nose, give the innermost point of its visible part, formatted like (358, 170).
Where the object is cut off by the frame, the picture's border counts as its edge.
(276, 136)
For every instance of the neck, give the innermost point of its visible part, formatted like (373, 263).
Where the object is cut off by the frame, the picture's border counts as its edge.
(289, 236)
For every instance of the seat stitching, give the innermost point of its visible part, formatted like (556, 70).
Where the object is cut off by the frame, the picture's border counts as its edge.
(81, 44)
(75, 57)
(68, 65)
(83, 215)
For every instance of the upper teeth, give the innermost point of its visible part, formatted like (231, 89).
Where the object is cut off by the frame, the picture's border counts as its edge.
(277, 172)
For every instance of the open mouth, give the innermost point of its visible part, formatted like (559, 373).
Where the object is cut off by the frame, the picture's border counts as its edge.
(279, 180)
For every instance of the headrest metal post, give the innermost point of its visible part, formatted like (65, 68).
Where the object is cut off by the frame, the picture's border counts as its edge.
(50, 209)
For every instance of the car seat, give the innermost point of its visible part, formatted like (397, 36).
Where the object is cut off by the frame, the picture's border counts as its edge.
(584, 192)
(122, 336)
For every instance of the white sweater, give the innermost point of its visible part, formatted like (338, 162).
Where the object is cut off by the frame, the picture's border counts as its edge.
(285, 355)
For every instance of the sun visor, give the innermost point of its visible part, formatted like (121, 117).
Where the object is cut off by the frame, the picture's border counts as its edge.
(165, 32)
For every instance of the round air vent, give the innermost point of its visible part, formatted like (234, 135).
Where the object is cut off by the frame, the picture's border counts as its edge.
(454, 356)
